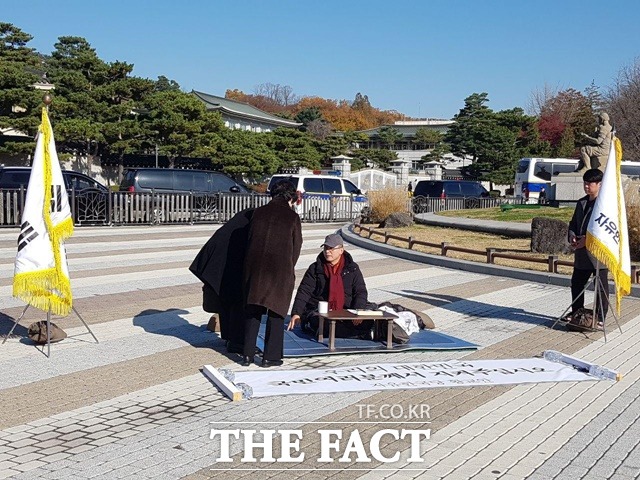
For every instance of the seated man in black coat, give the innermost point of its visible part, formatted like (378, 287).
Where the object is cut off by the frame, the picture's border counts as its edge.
(334, 277)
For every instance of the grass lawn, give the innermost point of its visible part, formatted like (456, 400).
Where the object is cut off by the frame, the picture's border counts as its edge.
(481, 241)
(471, 240)
(523, 215)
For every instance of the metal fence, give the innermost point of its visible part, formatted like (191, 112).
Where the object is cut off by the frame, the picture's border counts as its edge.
(95, 207)
(430, 204)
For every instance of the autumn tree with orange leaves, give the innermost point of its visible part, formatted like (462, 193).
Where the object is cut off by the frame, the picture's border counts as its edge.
(340, 115)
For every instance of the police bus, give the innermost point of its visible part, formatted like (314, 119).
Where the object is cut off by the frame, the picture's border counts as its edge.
(534, 174)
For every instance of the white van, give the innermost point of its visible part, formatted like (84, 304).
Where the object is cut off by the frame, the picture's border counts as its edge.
(324, 197)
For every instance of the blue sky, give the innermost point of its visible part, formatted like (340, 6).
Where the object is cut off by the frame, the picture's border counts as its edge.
(421, 58)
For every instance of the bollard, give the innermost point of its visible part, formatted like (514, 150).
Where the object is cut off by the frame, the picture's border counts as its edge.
(553, 265)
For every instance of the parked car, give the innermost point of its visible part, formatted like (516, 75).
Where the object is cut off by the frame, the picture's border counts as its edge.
(88, 198)
(177, 194)
(316, 191)
(18, 177)
(469, 190)
(168, 180)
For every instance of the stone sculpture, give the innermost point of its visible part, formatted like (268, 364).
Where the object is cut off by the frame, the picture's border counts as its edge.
(596, 152)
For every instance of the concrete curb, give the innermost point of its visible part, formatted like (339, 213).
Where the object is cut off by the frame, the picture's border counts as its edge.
(475, 267)
(511, 229)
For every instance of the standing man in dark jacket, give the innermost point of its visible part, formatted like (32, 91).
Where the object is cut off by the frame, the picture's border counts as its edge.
(584, 262)
(275, 240)
(334, 277)
(219, 266)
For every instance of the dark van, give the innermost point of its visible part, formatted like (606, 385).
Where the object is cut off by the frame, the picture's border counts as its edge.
(449, 188)
(469, 190)
(88, 199)
(168, 180)
(18, 177)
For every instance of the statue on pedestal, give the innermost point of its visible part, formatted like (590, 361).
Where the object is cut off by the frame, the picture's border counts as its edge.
(596, 152)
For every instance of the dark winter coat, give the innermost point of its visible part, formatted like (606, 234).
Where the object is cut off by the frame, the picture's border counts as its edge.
(275, 240)
(315, 286)
(219, 263)
(583, 260)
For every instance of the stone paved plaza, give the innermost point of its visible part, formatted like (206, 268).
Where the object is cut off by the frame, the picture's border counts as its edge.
(137, 405)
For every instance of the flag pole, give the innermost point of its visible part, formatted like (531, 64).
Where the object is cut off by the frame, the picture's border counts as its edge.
(47, 99)
(49, 333)
(41, 276)
(597, 301)
(596, 297)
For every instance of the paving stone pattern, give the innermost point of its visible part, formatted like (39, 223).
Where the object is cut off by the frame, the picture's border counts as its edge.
(137, 406)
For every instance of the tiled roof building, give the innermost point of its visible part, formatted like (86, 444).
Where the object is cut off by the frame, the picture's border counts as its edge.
(242, 116)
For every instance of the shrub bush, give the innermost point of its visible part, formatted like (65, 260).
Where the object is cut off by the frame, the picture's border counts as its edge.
(258, 187)
(385, 202)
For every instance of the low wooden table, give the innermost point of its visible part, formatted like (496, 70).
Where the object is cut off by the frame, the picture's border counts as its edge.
(341, 315)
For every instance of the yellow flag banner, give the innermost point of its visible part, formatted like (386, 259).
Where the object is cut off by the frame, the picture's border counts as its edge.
(607, 233)
(41, 274)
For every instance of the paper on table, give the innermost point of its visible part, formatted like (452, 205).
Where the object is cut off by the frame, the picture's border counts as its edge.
(373, 313)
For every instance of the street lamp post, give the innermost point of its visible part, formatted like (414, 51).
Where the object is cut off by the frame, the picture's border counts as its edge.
(148, 139)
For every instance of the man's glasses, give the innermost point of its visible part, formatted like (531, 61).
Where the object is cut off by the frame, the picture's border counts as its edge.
(329, 249)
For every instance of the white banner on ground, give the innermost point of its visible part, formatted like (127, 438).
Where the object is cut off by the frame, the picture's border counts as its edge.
(397, 376)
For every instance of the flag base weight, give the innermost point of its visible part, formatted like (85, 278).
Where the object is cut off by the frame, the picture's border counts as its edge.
(17, 321)
(597, 305)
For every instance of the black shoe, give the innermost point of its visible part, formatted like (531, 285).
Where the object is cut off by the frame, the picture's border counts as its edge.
(246, 361)
(271, 363)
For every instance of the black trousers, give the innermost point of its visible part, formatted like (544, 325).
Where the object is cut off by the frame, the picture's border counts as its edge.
(579, 280)
(274, 335)
(232, 319)
(230, 313)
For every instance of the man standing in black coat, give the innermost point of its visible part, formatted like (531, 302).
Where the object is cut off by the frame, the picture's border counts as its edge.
(219, 266)
(584, 262)
(334, 277)
(273, 248)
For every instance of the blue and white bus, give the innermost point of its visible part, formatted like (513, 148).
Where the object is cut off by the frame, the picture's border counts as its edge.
(533, 174)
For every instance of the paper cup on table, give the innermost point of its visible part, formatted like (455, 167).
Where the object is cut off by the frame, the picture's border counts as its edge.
(323, 307)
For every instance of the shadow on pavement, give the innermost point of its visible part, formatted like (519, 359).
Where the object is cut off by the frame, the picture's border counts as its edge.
(478, 309)
(172, 323)
(6, 322)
